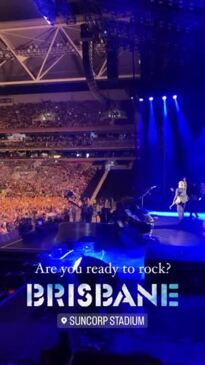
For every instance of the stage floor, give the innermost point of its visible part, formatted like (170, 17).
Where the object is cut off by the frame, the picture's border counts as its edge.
(169, 240)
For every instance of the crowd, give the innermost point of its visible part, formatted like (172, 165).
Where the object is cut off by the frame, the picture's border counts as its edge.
(16, 211)
(47, 114)
(33, 183)
(67, 140)
(36, 188)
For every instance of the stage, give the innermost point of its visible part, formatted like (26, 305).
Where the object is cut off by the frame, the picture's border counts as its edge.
(169, 239)
(173, 334)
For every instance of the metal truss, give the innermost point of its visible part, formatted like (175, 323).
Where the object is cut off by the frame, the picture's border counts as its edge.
(35, 52)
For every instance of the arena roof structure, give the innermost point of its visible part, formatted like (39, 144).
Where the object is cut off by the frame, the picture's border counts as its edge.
(156, 37)
(35, 52)
(32, 51)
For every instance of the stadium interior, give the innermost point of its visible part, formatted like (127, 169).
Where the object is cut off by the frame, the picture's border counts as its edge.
(101, 114)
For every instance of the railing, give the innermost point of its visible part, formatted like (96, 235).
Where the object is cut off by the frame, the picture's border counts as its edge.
(99, 185)
(47, 146)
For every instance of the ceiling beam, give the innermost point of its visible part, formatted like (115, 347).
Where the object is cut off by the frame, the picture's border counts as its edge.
(18, 58)
(48, 53)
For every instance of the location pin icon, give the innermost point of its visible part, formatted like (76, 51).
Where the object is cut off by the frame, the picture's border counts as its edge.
(64, 320)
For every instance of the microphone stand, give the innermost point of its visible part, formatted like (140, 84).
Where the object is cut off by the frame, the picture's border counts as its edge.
(147, 192)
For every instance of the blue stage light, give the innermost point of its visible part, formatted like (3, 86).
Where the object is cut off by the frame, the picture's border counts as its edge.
(51, 9)
(164, 98)
(174, 97)
(151, 98)
(141, 100)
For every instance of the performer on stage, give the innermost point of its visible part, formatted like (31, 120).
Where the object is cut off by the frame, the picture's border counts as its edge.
(180, 199)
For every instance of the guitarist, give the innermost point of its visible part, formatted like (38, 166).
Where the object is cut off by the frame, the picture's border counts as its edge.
(180, 198)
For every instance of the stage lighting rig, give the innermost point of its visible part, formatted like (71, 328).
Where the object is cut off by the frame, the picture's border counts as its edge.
(6, 55)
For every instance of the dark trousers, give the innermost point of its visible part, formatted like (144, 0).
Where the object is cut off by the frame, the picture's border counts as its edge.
(193, 208)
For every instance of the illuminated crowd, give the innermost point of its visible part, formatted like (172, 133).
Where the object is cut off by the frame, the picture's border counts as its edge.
(36, 188)
(35, 175)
